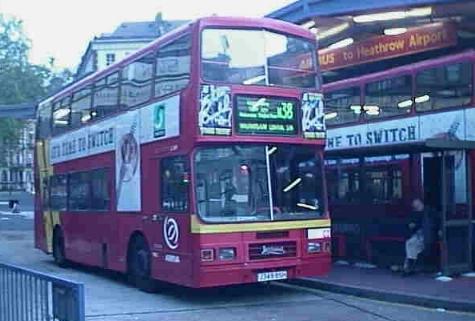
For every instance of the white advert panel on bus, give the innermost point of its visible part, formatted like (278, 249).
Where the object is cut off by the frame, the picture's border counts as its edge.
(459, 124)
(157, 121)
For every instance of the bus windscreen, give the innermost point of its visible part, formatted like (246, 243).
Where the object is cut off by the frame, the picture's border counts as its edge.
(258, 183)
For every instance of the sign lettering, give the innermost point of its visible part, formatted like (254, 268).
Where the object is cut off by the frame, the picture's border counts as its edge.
(271, 116)
(428, 37)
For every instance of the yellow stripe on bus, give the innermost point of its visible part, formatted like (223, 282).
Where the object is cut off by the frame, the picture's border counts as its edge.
(199, 228)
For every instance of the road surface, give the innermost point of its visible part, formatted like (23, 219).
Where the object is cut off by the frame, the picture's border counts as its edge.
(109, 298)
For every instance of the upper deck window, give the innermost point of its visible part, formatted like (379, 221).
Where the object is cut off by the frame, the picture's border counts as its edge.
(44, 121)
(81, 107)
(61, 115)
(258, 57)
(106, 96)
(136, 87)
(388, 97)
(342, 106)
(442, 87)
(172, 72)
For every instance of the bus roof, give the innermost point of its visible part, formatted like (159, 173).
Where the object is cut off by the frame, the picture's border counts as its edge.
(244, 22)
(351, 82)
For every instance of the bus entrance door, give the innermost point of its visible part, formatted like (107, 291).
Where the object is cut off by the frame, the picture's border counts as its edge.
(447, 188)
(456, 212)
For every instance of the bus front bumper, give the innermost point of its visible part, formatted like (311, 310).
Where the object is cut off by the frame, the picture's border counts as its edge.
(228, 274)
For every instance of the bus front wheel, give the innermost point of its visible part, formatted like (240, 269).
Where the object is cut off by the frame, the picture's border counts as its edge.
(58, 248)
(139, 265)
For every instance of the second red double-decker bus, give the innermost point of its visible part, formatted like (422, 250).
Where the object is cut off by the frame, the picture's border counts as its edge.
(197, 160)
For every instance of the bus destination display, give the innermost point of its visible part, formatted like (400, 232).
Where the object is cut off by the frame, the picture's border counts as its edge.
(265, 116)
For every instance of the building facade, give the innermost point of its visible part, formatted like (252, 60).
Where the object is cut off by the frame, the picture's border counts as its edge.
(16, 163)
(109, 48)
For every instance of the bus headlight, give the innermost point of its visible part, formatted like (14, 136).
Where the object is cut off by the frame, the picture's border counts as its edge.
(314, 247)
(227, 254)
(207, 255)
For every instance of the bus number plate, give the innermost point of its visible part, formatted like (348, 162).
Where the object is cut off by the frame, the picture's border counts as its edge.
(271, 276)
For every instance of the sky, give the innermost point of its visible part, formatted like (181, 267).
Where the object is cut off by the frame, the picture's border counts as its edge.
(63, 28)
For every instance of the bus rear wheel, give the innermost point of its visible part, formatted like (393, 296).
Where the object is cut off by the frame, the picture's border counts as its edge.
(58, 248)
(139, 265)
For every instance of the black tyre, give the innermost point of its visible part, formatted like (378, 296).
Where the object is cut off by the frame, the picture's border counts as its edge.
(58, 248)
(139, 265)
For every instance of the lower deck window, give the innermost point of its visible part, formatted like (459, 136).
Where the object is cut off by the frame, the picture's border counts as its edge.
(370, 184)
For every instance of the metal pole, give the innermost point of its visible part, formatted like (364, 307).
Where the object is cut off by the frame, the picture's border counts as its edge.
(269, 184)
(468, 166)
(444, 254)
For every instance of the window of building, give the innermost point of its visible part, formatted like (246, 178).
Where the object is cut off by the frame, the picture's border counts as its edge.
(44, 121)
(81, 107)
(388, 97)
(173, 66)
(444, 87)
(106, 96)
(61, 115)
(342, 106)
(174, 188)
(58, 192)
(136, 84)
(110, 59)
(100, 196)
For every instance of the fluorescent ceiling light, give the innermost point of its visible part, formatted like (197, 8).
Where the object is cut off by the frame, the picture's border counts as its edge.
(419, 12)
(307, 206)
(373, 112)
(422, 99)
(272, 150)
(405, 103)
(292, 185)
(254, 80)
(60, 122)
(393, 15)
(394, 31)
(85, 118)
(331, 115)
(342, 43)
(308, 24)
(370, 107)
(333, 31)
(356, 109)
(60, 113)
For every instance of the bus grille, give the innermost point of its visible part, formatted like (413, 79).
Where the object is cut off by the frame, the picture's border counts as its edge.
(272, 250)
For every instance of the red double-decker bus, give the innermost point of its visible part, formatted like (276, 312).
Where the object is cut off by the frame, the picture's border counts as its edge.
(197, 160)
(397, 135)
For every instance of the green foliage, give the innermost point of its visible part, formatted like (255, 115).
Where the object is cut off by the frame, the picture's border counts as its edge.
(20, 80)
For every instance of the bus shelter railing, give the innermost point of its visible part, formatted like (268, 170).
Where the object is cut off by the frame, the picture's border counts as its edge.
(29, 295)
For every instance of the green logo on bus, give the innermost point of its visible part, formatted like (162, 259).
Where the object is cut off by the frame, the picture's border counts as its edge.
(159, 121)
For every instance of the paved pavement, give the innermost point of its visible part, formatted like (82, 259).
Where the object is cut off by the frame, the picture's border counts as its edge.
(16, 222)
(109, 298)
(457, 293)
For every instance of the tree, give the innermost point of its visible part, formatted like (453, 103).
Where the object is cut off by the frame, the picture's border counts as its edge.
(20, 80)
